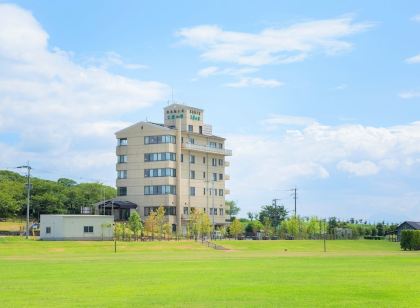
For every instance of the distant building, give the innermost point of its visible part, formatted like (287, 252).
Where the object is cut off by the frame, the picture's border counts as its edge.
(407, 225)
(76, 227)
(179, 165)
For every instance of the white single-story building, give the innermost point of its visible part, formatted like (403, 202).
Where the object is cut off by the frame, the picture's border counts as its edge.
(76, 227)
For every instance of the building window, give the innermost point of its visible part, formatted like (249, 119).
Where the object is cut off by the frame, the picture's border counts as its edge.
(220, 192)
(221, 212)
(192, 191)
(122, 174)
(191, 140)
(204, 174)
(159, 172)
(214, 162)
(192, 174)
(122, 141)
(122, 159)
(185, 210)
(212, 144)
(182, 158)
(192, 159)
(88, 229)
(48, 230)
(122, 191)
(169, 210)
(204, 191)
(220, 145)
(204, 159)
(200, 129)
(220, 176)
(161, 156)
(190, 128)
(213, 211)
(220, 162)
(214, 176)
(160, 190)
(159, 139)
(215, 192)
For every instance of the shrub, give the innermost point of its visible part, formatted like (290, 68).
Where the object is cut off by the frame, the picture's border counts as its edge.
(410, 239)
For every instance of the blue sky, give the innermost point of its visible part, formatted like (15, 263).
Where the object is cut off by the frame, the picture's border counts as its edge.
(320, 95)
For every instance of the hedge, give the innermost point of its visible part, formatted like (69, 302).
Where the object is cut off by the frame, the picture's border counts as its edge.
(410, 239)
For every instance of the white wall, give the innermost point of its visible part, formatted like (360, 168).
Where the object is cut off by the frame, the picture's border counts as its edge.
(71, 227)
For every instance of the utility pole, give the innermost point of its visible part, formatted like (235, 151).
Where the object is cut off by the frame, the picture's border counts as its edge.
(294, 197)
(28, 197)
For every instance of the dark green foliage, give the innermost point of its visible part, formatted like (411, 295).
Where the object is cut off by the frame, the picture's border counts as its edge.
(410, 239)
(275, 213)
(48, 197)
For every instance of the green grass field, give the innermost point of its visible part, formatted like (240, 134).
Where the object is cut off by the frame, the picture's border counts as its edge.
(182, 274)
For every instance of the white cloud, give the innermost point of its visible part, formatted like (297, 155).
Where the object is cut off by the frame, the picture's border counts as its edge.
(255, 82)
(312, 151)
(272, 46)
(56, 105)
(341, 87)
(274, 121)
(208, 71)
(111, 59)
(362, 168)
(416, 18)
(409, 94)
(413, 60)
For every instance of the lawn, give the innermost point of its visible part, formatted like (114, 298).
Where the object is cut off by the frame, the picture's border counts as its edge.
(249, 273)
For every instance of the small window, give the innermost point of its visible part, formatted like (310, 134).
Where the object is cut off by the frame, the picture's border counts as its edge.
(192, 159)
(192, 191)
(190, 128)
(192, 174)
(220, 176)
(122, 191)
(204, 159)
(214, 176)
(204, 174)
(122, 141)
(88, 229)
(48, 230)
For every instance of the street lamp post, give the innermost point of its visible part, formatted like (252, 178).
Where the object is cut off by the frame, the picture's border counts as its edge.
(212, 204)
(28, 196)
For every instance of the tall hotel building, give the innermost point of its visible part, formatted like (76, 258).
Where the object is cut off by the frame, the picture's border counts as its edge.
(179, 164)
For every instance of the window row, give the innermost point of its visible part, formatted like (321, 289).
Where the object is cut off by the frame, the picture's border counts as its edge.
(213, 211)
(169, 210)
(214, 161)
(159, 139)
(159, 156)
(216, 145)
(159, 172)
(216, 192)
(160, 190)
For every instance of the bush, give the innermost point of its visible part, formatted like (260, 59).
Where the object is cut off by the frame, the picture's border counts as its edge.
(410, 239)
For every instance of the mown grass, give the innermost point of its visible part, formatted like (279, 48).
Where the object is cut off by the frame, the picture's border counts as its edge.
(186, 273)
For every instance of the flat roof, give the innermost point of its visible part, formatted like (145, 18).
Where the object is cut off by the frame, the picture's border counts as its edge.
(75, 215)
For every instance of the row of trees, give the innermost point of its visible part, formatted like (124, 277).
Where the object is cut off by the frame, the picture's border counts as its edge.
(410, 239)
(64, 196)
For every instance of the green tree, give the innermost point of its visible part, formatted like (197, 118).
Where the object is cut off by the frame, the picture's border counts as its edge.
(135, 224)
(160, 220)
(150, 224)
(233, 209)
(276, 214)
(236, 228)
(204, 225)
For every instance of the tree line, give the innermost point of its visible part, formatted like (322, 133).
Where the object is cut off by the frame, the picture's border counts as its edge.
(64, 196)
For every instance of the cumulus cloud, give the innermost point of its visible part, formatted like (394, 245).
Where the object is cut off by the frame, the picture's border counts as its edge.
(413, 60)
(313, 151)
(409, 94)
(257, 82)
(55, 105)
(416, 18)
(273, 45)
(362, 168)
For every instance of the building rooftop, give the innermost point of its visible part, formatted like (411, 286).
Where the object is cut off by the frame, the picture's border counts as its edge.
(176, 105)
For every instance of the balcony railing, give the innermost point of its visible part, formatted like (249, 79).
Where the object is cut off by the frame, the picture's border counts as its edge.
(227, 177)
(206, 149)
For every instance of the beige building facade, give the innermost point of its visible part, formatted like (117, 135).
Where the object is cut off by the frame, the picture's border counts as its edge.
(179, 164)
